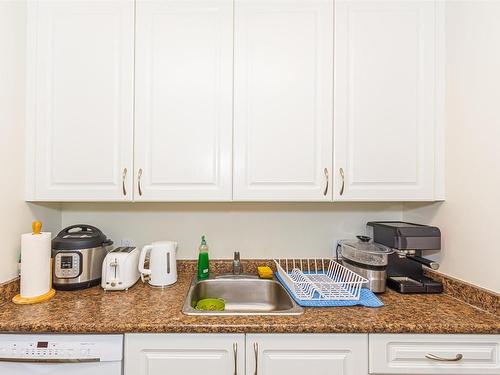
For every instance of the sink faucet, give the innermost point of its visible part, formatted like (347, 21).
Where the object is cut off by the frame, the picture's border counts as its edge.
(236, 263)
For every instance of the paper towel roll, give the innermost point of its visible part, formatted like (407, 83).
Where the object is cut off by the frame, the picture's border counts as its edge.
(35, 264)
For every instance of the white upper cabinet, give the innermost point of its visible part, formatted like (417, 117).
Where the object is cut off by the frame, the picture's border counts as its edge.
(137, 100)
(283, 100)
(79, 116)
(184, 102)
(386, 95)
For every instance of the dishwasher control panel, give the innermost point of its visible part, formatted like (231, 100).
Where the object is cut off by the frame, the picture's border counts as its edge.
(60, 348)
(49, 349)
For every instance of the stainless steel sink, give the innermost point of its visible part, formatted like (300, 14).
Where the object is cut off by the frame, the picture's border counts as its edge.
(243, 295)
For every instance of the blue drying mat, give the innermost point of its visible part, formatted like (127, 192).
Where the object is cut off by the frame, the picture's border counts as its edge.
(367, 298)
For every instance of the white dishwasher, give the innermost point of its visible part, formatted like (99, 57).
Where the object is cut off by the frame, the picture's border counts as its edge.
(27, 354)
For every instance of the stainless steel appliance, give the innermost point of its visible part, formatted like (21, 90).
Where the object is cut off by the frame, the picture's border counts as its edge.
(367, 259)
(409, 240)
(61, 354)
(120, 268)
(78, 253)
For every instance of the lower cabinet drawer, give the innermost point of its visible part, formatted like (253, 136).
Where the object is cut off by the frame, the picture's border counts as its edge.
(434, 354)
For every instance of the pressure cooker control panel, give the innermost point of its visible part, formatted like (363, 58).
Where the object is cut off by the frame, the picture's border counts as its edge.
(67, 265)
(47, 350)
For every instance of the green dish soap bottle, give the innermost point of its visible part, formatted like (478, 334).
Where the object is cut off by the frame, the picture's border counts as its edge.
(203, 260)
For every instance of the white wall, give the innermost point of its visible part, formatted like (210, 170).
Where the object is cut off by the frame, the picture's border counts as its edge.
(257, 230)
(470, 217)
(15, 215)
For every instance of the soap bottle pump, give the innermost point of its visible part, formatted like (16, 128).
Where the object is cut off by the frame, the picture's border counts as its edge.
(203, 263)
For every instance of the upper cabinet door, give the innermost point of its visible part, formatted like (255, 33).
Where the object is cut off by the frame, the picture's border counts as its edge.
(283, 100)
(183, 113)
(385, 100)
(80, 100)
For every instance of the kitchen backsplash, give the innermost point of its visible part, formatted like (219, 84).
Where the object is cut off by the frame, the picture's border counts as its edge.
(257, 230)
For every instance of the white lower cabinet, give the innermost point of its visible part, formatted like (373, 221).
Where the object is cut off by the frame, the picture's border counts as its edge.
(266, 354)
(318, 354)
(302, 354)
(434, 354)
(184, 354)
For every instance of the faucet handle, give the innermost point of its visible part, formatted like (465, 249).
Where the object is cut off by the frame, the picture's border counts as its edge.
(236, 255)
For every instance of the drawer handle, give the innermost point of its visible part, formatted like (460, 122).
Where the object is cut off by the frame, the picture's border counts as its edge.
(433, 357)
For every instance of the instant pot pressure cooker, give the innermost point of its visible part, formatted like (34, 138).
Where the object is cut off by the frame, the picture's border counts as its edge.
(78, 253)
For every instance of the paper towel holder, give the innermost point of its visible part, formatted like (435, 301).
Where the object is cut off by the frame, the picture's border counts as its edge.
(20, 300)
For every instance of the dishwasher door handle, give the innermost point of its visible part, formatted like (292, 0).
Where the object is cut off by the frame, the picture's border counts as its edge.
(49, 360)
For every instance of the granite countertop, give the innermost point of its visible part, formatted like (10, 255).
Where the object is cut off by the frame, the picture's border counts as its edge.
(144, 309)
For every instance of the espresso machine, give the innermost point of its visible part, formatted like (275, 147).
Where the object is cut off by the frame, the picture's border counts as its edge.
(409, 241)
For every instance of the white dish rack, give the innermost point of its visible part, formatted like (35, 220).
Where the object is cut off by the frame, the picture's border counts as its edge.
(320, 279)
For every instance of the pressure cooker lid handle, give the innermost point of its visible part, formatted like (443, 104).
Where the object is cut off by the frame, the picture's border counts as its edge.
(82, 227)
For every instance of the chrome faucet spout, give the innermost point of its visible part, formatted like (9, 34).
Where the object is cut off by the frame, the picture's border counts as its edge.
(237, 269)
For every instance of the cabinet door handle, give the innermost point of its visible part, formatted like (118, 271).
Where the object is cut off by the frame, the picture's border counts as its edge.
(341, 171)
(433, 357)
(124, 177)
(256, 352)
(327, 178)
(235, 352)
(139, 176)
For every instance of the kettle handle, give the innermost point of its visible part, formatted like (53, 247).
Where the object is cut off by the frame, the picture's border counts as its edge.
(142, 258)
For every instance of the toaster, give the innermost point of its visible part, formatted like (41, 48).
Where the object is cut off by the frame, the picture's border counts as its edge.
(120, 268)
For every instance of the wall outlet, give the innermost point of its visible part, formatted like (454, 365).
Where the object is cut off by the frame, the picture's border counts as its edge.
(125, 242)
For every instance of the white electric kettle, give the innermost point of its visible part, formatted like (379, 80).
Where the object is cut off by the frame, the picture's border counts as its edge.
(162, 269)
